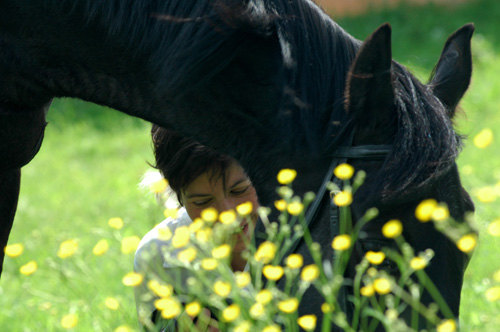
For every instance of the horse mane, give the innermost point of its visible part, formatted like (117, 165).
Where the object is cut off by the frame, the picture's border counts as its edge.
(183, 36)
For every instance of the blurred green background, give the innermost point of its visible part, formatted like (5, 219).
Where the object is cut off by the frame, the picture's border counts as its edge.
(93, 158)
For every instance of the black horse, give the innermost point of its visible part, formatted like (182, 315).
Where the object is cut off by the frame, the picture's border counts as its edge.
(274, 83)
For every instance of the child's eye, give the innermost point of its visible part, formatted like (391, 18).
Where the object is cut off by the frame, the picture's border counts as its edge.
(201, 203)
(239, 191)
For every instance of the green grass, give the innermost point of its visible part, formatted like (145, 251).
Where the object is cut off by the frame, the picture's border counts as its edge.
(93, 158)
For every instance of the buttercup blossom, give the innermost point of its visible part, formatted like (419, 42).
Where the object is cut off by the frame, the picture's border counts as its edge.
(67, 248)
(111, 303)
(280, 205)
(209, 264)
(494, 227)
(193, 308)
(288, 306)
(448, 325)
(172, 309)
(28, 268)
(221, 251)
(266, 252)
(129, 244)
(307, 322)
(242, 279)
(264, 296)
(172, 213)
(187, 255)
(14, 250)
(483, 138)
(418, 263)
(467, 243)
(132, 279)
(222, 288)
(294, 261)
(424, 210)
(286, 176)
(181, 237)
(343, 198)
(69, 321)
(367, 290)
(392, 229)
(310, 273)
(440, 213)
(344, 171)
(242, 327)
(116, 223)
(273, 272)
(326, 308)
(209, 214)
(341, 242)
(227, 217)
(244, 209)
(256, 310)
(295, 208)
(101, 247)
(272, 328)
(382, 285)
(203, 235)
(492, 294)
(159, 289)
(159, 186)
(375, 257)
(165, 234)
(231, 312)
(123, 328)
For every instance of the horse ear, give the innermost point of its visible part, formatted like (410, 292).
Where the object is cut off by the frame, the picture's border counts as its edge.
(369, 92)
(451, 76)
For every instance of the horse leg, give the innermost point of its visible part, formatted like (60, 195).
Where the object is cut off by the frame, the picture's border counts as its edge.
(9, 192)
(21, 134)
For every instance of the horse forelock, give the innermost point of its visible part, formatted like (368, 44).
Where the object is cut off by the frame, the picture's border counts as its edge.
(425, 145)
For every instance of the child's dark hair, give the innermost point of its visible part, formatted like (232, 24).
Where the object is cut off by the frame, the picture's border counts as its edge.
(181, 159)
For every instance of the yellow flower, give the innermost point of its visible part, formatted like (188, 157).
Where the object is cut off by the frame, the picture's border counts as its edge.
(222, 288)
(273, 272)
(344, 171)
(159, 186)
(372, 272)
(264, 296)
(341, 242)
(209, 264)
(221, 251)
(111, 303)
(209, 214)
(187, 255)
(326, 308)
(163, 303)
(242, 327)
(132, 279)
(307, 322)
(159, 289)
(123, 328)
(116, 223)
(272, 328)
(28, 268)
(69, 321)
(382, 285)
(484, 138)
(204, 235)
(375, 257)
(496, 276)
(294, 261)
(393, 228)
(164, 234)
(286, 176)
(343, 198)
(440, 213)
(288, 306)
(227, 217)
(493, 294)
(256, 310)
(448, 325)
(14, 250)
(101, 247)
(367, 290)
(244, 209)
(130, 244)
(231, 312)
(265, 253)
(494, 227)
(295, 208)
(242, 278)
(280, 205)
(67, 248)
(310, 273)
(424, 210)
(193, 308)
(181, 237)
(467, 243)
(418, 263)
(172, 309)
(171, 213)
(486, 194)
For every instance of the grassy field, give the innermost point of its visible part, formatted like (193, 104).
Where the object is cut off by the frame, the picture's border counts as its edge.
(92, 160)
